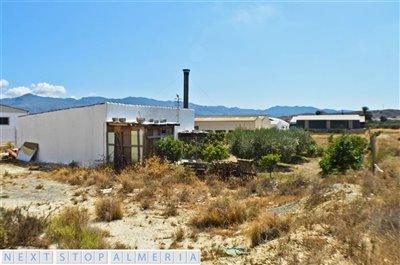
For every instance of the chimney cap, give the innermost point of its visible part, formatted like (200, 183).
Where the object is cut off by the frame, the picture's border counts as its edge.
(186, 70)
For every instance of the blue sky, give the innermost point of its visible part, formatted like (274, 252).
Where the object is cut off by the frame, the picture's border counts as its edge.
(252, 55)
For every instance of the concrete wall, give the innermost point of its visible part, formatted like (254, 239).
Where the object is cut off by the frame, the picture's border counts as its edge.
(130, 112)
(73, 134)
(8, 133)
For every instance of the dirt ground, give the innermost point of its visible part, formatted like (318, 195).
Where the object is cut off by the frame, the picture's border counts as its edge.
(140, 229)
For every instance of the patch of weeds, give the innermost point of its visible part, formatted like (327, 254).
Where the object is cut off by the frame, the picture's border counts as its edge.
(19, 228)
(70, 230)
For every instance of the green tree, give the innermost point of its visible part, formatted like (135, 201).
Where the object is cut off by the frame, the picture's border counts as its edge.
(366, 113)
(269, 162)
(215, 152)
(170, 149)
(344, 152)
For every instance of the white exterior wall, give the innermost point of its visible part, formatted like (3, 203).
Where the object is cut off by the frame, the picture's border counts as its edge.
(8, 133)
(63, 136)
(131, 112)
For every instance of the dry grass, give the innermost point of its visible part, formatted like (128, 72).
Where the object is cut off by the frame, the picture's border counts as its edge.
(294, 185)
(267, 227)
(18, 228)
(127, 182)
(223, 213)
(109, 209)
(70, 230)
(179, 234)
(170, 210)
(101, 176)
(154, 168)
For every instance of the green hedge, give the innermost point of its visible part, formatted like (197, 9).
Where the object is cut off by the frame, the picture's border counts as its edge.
(253, 144)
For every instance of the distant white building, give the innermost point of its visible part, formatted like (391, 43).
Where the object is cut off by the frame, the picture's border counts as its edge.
(8, 123)
(113, 132)
(328, 122)
(230, 123)
(279, 123)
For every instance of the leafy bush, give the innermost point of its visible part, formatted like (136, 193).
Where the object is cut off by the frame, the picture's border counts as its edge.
(255, 144)
(269, 162)
(70, 230)
(19, 229)
(170, 149)
(215, 152)
(109, 209)
(343, 153)
(195, 149)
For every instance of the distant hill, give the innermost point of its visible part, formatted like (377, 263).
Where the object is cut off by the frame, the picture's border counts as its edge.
(35, 104)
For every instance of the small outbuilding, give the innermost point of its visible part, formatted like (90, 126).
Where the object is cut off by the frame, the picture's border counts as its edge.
(279, 123)
(329, 122)
(8, 123)
(230, 123)
(112, 132)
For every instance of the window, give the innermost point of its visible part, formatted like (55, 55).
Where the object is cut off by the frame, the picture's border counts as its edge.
(4, 121)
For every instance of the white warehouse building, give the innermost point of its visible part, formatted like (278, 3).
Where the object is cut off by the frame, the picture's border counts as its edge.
(8, 122)
(113, 132)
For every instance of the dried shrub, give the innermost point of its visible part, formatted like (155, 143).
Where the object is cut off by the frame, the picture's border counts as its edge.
(109, 209)
(127, 183)
(179, 234)
(267, 227)
(259, 186)
(154, 168)
(170, 210)
(70, 230)
(184, 175)
(100, 176)
(18, 228)
(294, 185)
(221, 213)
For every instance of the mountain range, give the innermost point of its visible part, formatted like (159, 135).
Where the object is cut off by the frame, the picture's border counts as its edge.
(34, 104)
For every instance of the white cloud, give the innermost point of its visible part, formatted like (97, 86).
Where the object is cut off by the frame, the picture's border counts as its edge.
(254, 14)
(48, 90)
(40, 89)
(3, 83)
(17, 91)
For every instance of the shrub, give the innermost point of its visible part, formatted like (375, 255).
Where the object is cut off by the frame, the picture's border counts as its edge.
(294, 185)
(109, 209)
(267, 227)
(221, 213)
(195, 149)
(154, 168)
(170, 210)
(184, 175)
(126, 182)
(343, 153)
(179, 234)
(70, 230)
(170, 149)
(269, 162)
(255, 144)
(19, 229)
(215, 152)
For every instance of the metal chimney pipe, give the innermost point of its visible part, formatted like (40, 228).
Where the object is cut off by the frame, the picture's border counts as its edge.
(186, 88)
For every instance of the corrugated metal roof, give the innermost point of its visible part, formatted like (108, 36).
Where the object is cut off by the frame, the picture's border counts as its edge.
(227, 118)
(344, 117)
(108, 103)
